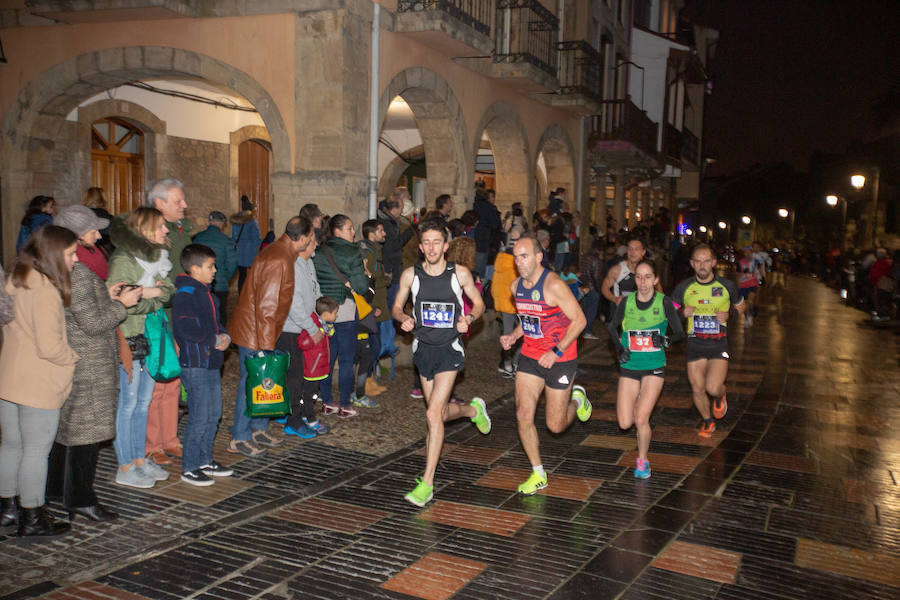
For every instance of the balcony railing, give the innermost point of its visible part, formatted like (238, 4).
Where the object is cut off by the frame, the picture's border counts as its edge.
(474, 13)
(690, 150)
(621, 120)
(673, 142)
(580, 70)
(526, 32)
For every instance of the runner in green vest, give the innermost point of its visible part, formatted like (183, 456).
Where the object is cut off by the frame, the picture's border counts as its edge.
(639, 329)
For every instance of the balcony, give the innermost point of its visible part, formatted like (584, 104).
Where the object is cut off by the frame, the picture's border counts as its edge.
(525, 53)
(690, 149)
(580, 78)
(454, 27)
(622, 135)
(673, 144)
(105, 11)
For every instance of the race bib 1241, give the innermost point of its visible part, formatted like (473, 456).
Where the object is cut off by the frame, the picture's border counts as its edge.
(439, 315)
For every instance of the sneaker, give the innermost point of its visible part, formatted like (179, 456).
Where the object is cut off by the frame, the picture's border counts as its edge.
(364, 402)
(135, 478)
(214, 469)
(345, 412)
(481, 419)
(720, 407)
(416, 393)
(303, 432)
(707, 428)
(584, 409)
(264, 438)
(642, 470)
(281, 421)
(151, 469)
(330, 409)
(246, 447)
(504, 370)
(508, 374)
(319, 427)
(589, 336)
(198, 478)
(422, 494)
(534, 483)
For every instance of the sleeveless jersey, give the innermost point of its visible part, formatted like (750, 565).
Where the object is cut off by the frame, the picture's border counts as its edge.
(542, 325)
(638, 327)
(719, 295)
(748, 272)
(437, 305)
(624, 284)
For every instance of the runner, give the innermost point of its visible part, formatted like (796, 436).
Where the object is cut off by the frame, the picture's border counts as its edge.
(706, 300)
(619, 282)
(551, 320)
(437, 323)
(644, 318)
(748, 283)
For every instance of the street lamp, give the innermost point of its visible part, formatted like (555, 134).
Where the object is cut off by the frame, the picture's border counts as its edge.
(689, 231)
(783, 213)
(702, 228)
(722, 224)
(832, 201)
(745, 220)
(858, 181)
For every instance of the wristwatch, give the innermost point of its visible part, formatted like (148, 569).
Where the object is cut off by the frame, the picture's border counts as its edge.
(556, 351)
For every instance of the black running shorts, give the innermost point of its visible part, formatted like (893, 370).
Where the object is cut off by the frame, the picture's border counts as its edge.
(558, 377)
(431, 360)
(716, 350)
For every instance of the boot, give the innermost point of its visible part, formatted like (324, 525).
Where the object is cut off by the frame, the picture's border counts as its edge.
(96, 512)
(373, 388)
(37, 522)
(9, 512)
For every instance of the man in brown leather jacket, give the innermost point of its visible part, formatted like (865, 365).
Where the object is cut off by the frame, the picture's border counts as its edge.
(257, 322)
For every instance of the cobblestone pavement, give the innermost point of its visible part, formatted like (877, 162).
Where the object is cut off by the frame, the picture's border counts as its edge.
(795, 497)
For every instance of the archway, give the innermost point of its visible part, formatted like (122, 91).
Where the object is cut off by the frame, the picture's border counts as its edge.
(441, 125)
(508, 143)
(249, 172)
(556, 151)
(34, 162)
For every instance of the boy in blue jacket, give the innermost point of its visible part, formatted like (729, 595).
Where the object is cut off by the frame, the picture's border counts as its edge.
(202, 340)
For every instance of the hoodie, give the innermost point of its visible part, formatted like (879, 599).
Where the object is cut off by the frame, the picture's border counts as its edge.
(196, 323)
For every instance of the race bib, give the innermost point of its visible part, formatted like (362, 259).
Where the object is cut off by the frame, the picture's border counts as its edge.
(705, 324)
(531, 326)
(439, 315)
(641, 341)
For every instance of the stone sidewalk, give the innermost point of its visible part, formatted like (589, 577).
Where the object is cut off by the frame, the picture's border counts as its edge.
(795, 497)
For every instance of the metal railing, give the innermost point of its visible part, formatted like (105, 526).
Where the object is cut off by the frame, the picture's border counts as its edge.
(474, 13)
(580, 70)
(621, 120)
(526, 32)
(690, 150)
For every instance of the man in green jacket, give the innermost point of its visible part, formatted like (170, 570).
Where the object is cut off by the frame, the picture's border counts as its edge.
(226, 257)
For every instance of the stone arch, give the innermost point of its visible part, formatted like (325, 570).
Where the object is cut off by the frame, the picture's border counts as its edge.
(396, 168)
(28, 153)
(236, 138)
(509, 143)
(559, 159)
(442, 127)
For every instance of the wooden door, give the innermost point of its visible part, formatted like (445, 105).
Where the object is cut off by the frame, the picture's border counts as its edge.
(253, 179)
(117, 163)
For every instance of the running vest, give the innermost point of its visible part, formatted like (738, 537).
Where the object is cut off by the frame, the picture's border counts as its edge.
(707, 299)
(748, 271)
(542, 325)
(437, 305)
(638, 327)
(624, 284)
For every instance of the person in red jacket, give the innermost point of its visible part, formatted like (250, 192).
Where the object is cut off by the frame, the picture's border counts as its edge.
(316, 363)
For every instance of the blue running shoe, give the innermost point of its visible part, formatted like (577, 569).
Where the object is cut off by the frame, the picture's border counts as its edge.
(642, 470)
(281, 421)
(318, 426)
(303, 432)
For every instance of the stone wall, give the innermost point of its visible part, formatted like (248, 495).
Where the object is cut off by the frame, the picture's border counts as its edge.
(202, 167)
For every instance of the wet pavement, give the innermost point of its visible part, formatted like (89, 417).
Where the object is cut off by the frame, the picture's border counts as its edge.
(796, 495)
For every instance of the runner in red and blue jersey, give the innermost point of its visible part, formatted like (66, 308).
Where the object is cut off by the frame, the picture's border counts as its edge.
(550, 320)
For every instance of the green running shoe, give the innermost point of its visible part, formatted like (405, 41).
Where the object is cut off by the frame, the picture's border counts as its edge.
(534, 483)
(584, 405)
(481, 419)
(422, 494)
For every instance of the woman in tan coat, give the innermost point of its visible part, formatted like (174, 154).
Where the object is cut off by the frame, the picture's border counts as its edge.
(36, 368)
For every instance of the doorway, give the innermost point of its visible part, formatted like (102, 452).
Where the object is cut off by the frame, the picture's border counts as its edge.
(117, 163)
(253, 179)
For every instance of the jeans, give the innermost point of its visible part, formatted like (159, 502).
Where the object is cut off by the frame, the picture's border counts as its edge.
(28, 435)
(590, 303)
(391, 296)
(71, 476)
(204, 398)
(131, 413)
(244, 426)
(343, 349)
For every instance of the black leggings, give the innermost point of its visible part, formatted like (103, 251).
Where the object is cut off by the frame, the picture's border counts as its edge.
(71, 474)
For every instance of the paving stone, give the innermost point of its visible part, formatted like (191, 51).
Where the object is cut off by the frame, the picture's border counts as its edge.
(224, 487)
(588, 587)
(699, 561)
(336, 516)
(435, 576)
(617, 442)
(559, 485)
(686, 435)
(783, 461)
(483, 519)
(662, 462)
(91, 590)
(657, 583)
(851, 562)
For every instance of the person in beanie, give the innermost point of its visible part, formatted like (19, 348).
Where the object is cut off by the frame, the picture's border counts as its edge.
(84, 222)
(226, 257)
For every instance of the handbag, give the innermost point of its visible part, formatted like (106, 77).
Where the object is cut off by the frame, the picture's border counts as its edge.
(162, 360)
(138, 346)
(267, 395)
(366, 314)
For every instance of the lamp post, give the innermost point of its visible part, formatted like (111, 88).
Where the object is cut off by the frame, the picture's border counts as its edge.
(784, 214)
(858, 181)
(833, 200)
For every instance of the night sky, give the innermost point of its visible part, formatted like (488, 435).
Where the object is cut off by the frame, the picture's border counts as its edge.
(794, 76)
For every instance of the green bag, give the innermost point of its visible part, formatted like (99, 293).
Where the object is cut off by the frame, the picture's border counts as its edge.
(267, 395)
(162, 360)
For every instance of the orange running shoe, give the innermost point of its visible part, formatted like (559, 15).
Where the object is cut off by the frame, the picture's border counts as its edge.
(720, 407)
(707, 428)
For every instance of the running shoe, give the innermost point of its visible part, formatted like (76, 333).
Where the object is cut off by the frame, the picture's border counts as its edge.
(642, 470)
(329, 409)
(720, 407)
(303, 432)
(362, 402)
(318, 426)
(416, 393)
(214, 469)
(281, 420)
(197, 477)
(347, 411)
(534, 483)
(481, 419)
(707, 428)
(584, 405)
(422, 494)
